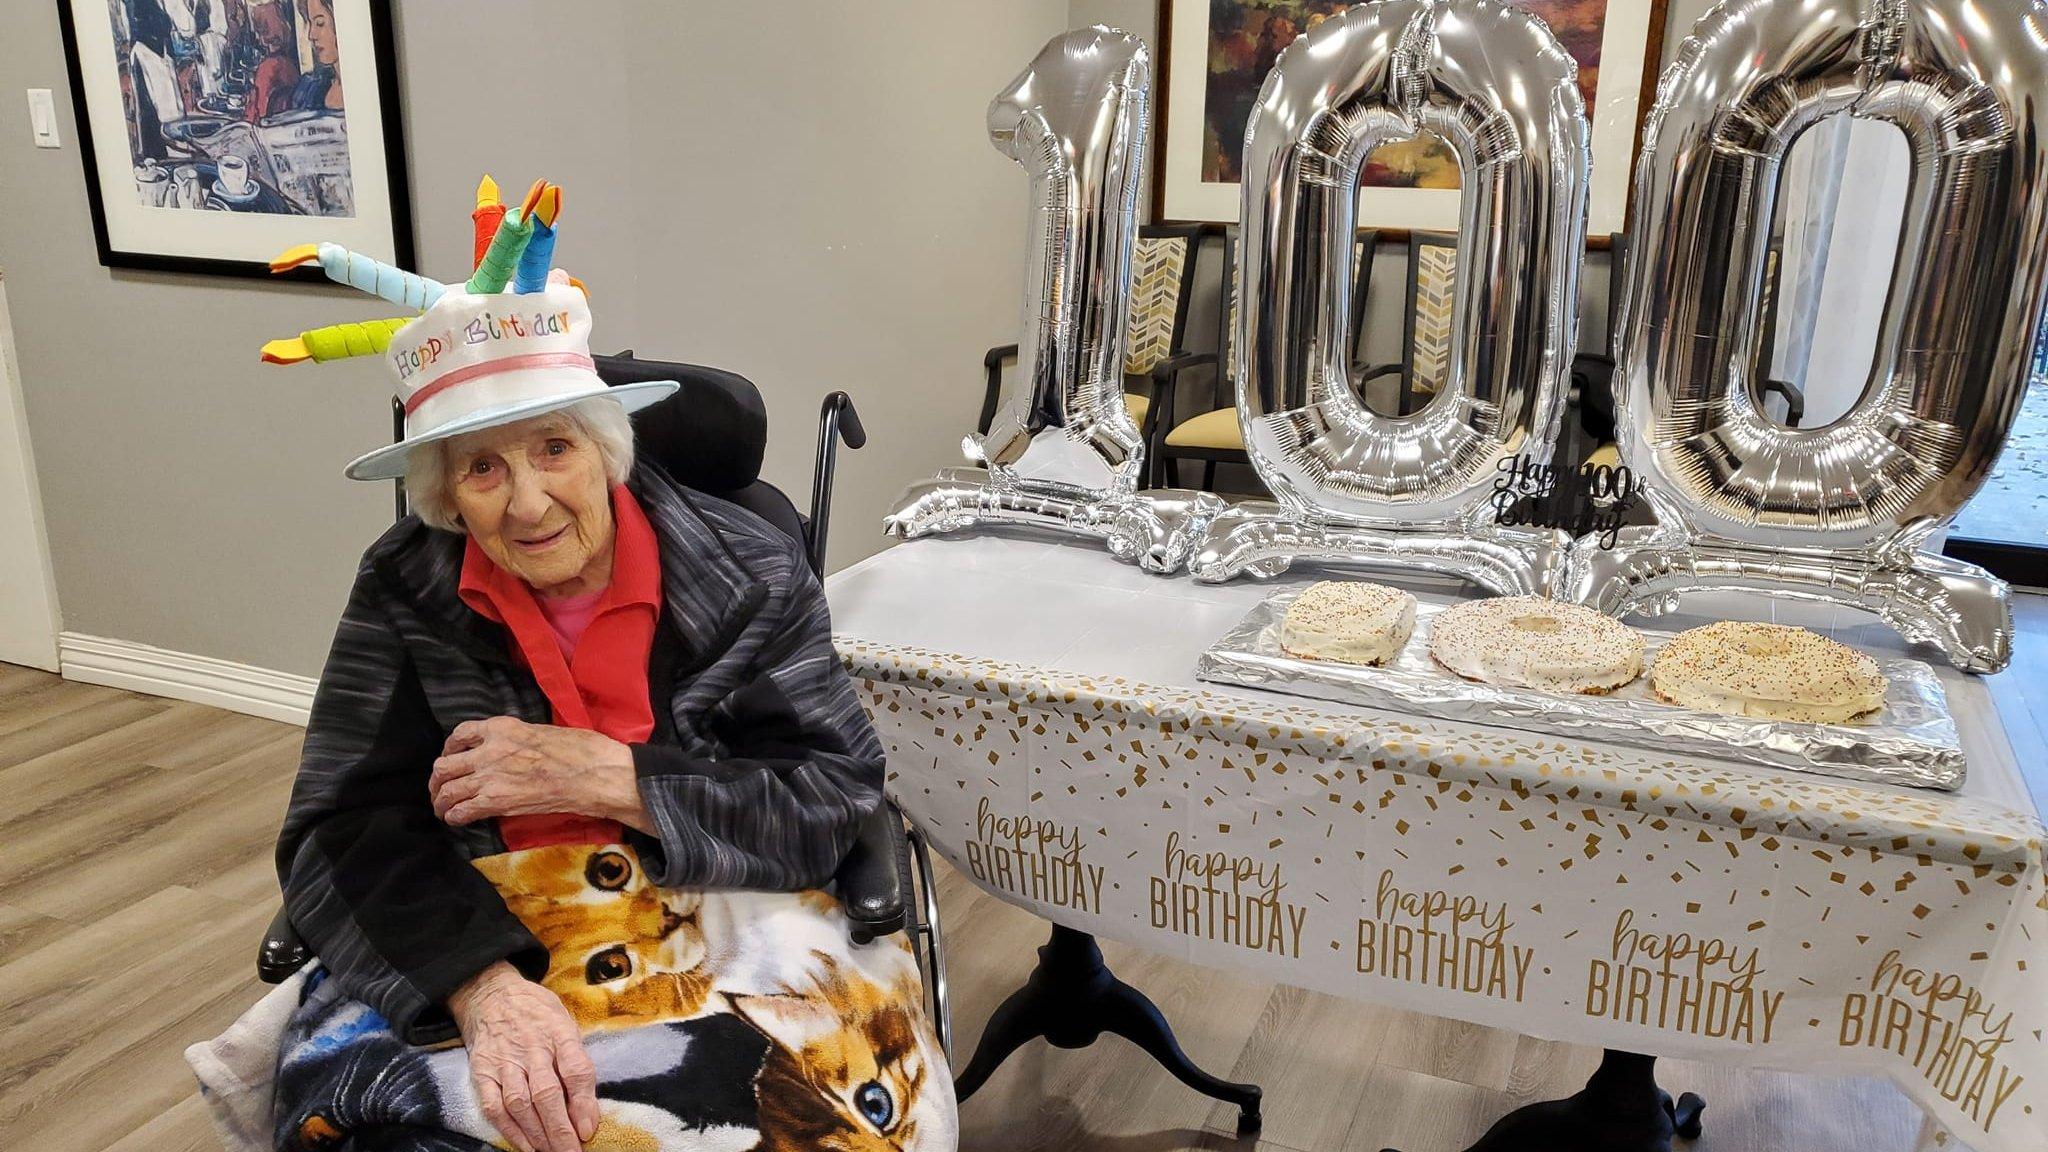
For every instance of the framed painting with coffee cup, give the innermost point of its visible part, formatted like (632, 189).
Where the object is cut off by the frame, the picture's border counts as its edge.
(213, 130)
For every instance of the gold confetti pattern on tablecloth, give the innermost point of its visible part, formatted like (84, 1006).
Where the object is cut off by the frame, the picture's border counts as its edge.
(1811, 892)
(1803, 808)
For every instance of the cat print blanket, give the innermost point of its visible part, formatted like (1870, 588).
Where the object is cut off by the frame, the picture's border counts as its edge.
(718, 1022)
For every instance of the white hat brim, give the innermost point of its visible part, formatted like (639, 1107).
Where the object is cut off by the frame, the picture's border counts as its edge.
(388, 462)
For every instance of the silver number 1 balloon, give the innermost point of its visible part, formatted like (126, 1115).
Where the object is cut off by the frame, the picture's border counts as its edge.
(1075, 119)
(1063, 452)
(1352, 485)
(1837, 513)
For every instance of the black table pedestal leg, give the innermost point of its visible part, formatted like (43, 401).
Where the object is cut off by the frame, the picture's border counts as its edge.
(1070, 1000)
(1620, 1109)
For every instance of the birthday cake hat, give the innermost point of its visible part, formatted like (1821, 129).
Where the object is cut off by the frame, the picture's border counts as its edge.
(510, 343)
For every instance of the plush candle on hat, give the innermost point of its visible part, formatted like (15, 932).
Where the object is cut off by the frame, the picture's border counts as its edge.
(364, 273)
(335, 342)
(501, 261)
(539, 255)
(474, 359)
(489, 212)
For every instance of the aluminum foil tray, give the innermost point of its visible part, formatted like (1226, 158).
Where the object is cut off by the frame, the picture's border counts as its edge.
(1911, 741)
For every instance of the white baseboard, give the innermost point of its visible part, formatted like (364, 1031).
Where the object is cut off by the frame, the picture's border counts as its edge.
(225, 684)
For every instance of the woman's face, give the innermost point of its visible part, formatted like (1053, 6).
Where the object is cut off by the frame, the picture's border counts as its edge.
(534, 497)
(320, 32)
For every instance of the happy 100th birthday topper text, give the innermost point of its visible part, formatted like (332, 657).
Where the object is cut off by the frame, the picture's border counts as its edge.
(1590, 500)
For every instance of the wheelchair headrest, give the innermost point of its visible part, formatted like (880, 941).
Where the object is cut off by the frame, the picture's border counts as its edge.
(710, 435)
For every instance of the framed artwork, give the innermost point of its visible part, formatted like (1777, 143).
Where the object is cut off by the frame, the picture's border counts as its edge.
(212, 129)
(1218, 52)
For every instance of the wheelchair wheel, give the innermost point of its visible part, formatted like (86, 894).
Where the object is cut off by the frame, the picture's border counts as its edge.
(925, 938)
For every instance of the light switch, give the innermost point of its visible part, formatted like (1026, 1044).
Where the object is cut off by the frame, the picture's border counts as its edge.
(42, 118)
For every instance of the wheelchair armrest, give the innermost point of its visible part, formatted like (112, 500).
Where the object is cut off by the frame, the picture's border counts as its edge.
(282, 953)
(995, 356)
(874, 879)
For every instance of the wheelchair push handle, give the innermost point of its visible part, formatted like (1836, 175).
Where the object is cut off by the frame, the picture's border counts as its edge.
(838, 413)
(837, 422)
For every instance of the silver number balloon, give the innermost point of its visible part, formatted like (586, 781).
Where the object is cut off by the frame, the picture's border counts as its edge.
(1836, 513)
(1063, 452)
(1075, 119)
(1352, 485)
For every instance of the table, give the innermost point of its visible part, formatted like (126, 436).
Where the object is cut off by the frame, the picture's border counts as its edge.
(1047, 734)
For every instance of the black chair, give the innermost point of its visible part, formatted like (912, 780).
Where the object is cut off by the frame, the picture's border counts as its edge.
(711, 436)
(1162, 286)
(1427, 321)
(1212, 435)
(1794, 397)
(1592, 395)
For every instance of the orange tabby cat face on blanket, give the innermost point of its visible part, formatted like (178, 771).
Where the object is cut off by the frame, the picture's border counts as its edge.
(845, 1071)
(621, 952)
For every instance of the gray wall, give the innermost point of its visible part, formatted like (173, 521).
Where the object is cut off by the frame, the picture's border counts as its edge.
(812, 202)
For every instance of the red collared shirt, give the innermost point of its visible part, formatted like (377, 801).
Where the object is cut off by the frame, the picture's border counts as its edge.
(603, 686)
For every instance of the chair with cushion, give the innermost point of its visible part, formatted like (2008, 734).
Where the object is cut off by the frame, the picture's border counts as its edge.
(710, 435)
(1163, 263)
(1592, 395)
(1427, 319)
(1588, 434)
(1213, 436)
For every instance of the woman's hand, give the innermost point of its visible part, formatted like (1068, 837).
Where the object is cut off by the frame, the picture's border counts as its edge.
(507, 767)
(533, 1079)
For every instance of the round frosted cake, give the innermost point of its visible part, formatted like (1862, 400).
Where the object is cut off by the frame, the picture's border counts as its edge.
(1348, 621)
(1771, 671)
(1531, 642)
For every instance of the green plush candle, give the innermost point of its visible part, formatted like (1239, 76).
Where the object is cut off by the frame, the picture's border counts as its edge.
(342, 341)
(501, 260)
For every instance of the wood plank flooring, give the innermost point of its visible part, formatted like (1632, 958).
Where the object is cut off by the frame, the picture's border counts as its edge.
(135, 879)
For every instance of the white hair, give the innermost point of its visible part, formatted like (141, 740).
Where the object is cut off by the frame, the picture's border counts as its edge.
(429, 475)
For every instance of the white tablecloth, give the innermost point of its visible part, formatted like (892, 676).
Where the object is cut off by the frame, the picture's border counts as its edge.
(1045, 728)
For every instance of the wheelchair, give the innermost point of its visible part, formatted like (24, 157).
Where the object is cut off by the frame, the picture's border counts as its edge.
(710, 436)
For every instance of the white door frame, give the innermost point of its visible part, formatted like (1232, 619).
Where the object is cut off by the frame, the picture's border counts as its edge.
(28, 587)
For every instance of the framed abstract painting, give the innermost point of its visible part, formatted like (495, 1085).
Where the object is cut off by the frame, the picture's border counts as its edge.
(1218, 52)
(210, 130)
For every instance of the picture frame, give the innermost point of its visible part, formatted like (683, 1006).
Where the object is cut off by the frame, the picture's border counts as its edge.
(1210, 77)
(217, 133)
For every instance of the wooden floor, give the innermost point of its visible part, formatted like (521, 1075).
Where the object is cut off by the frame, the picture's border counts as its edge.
(135, 878)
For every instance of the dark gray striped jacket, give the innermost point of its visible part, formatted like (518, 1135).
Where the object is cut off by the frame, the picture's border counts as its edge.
(760, 770)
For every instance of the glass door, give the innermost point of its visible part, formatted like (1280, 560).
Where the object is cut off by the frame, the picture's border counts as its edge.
(2005, 526)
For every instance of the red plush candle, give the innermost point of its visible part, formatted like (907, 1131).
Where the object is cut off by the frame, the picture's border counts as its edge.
(489, 211)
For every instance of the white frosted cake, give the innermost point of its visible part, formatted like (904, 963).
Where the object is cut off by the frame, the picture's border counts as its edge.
(1771, 671)
(1532, 642)
(1348, 621)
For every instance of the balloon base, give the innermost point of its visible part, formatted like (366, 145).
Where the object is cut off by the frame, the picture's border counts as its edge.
(1154, 530)
(1957, 607)
(1263, 539)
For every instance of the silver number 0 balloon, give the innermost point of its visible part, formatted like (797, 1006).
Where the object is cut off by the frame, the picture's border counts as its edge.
(1064, 452)
(1836, 513)
(1352, 485)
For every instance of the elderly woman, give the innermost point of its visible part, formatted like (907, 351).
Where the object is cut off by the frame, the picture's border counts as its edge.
(581, 754)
